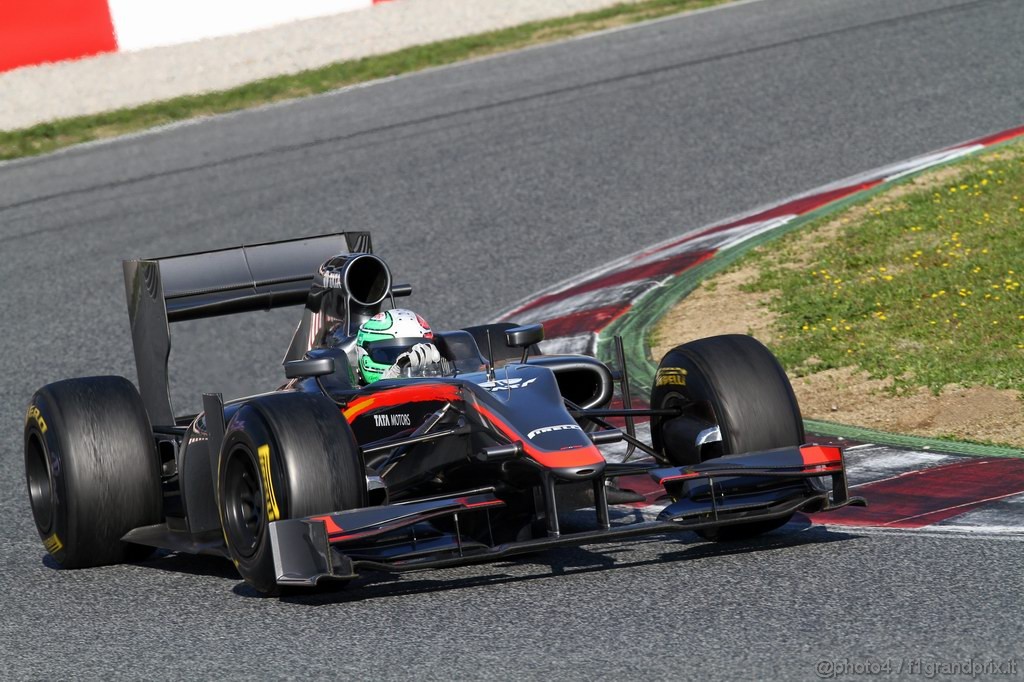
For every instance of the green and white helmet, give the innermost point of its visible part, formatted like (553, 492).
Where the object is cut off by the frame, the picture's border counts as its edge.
(384, 337)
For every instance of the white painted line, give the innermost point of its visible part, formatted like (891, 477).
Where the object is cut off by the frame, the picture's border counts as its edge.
(925, 162)
(973, 503)
(748, 231)
(976, 530)
(1012, 533)
(153, 23)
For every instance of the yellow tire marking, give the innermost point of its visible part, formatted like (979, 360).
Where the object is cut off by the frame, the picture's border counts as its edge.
(53, 544)
(273, 513)
(33, 413)
(670, 376)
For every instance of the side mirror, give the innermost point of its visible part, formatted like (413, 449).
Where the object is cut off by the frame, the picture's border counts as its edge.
(308, 367)
(525, 336)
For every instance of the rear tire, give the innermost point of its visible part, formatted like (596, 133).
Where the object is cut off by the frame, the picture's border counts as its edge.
(733, 381)
(284, 456)
(91, 468)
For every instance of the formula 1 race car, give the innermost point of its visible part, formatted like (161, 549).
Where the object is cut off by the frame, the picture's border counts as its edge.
(323, 478)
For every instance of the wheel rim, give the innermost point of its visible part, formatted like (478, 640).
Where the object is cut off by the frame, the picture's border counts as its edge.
(244, 509)
(40, 483)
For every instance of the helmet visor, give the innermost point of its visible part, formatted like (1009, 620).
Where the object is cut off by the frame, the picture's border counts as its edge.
(386, 351)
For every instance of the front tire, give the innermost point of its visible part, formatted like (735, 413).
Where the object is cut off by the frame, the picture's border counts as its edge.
(734, 382)
(284, 456)
(91, 468)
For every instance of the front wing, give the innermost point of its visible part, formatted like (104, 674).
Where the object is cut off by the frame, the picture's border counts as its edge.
(720, 492)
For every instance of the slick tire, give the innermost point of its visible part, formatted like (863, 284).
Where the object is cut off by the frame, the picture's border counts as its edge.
(92, 470)
(284, 456)
(733, 381)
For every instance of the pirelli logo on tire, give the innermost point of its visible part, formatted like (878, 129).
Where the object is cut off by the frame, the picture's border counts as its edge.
(53, 544)
(35, 415)
(670, 376)
(269, 499)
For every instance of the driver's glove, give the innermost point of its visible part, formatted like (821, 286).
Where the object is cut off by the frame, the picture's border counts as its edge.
(415, 358)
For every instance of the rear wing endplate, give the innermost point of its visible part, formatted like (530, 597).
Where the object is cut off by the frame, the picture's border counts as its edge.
(214, 283)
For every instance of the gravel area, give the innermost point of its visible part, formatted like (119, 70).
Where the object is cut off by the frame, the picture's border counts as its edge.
(42, 93)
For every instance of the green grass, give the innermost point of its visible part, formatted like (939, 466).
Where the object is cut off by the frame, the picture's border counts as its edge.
(47, 137)
(921, 283)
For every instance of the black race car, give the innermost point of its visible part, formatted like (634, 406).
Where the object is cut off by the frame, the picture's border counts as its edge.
(322, 478)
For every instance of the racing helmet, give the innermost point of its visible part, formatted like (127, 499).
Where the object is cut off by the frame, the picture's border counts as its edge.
(384, 337)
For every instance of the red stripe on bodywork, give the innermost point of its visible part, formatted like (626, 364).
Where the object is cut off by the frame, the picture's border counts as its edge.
(466, 504)
(329, 523)
(814, 455)
(414, 393)
(823, 459)
(336, 533)
(921, 498)
(40, 31)
(583, 456)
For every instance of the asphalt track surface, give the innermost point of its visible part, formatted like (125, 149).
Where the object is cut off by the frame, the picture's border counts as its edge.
(482, 183)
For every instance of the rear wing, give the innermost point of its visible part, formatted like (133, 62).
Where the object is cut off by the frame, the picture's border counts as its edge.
(213, 283)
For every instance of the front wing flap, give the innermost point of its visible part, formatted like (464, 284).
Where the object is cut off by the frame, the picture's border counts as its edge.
(765, 484)
(715, 493)
(306, 550)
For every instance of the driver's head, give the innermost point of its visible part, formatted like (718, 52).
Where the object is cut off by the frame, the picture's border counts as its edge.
(384, 337)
